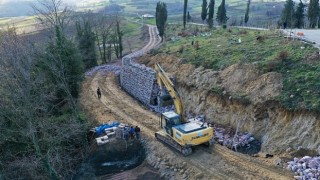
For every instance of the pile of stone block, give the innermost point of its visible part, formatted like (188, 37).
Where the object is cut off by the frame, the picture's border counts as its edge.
(227, 137)
(305, 168)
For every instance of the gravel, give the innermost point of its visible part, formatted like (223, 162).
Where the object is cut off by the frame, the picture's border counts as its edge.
(305, 168)
(104, 69)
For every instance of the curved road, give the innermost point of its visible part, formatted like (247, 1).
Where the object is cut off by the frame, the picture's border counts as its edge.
(154, 41)
(312, 35)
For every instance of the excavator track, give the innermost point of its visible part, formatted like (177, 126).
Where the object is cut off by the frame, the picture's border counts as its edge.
(170, 142)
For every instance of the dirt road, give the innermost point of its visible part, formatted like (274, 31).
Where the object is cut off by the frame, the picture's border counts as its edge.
(216, 162)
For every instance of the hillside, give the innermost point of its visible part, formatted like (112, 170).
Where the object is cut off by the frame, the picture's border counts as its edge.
(297, 62)
(262, 12)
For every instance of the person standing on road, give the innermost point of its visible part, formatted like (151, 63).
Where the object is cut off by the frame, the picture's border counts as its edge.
(131, 132)
(126, 133)
(99, 93)
(137, 131)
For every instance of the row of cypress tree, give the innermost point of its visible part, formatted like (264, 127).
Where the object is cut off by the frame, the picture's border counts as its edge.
(221, 17)
(294, 16)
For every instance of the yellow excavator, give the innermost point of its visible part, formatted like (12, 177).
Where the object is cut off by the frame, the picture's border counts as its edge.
(176, 131)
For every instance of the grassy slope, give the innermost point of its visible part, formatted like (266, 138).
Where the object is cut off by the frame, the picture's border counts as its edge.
(274, 53)
(21, 23)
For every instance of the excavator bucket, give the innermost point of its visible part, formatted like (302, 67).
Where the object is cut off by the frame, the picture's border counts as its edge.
(165, 100)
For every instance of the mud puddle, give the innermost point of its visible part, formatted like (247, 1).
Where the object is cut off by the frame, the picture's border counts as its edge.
(114, 157)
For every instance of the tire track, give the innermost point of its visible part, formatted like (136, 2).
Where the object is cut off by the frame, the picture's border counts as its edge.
(251, 164)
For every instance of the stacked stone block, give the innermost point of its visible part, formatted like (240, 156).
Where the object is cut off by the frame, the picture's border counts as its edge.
(138, 80)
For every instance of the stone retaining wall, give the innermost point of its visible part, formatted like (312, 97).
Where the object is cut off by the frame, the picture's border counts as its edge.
(138, 80)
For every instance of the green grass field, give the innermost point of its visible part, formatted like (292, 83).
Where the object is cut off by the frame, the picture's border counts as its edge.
(131, 29)
(299, 63)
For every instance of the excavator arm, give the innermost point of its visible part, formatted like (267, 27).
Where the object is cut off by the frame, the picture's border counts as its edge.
(163, 80)
(176, 132)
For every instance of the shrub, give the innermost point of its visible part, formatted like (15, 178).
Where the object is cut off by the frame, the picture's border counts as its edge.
(217, 90)
(154, 51)
(260, 39)
(196, 45)
(242, 31)
(272, 65)
(243, 99)
(181, 48)
(283, 55)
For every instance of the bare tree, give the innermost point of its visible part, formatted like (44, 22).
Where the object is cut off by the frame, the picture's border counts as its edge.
(119, 34)
(103, 30)
(55, 16)
(52, 13)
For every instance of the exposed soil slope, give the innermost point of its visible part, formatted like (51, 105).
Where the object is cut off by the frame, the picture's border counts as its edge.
(240, 93)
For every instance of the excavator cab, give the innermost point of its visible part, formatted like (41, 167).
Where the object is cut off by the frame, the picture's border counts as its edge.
(168, 120)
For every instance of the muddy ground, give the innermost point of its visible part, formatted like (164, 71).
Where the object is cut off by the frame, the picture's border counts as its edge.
(216, 162)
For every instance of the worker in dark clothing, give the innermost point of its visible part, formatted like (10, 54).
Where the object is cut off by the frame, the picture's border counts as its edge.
(99, 93)
(131, 132)
(137, 131)
(126, 133)
(284, 25)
